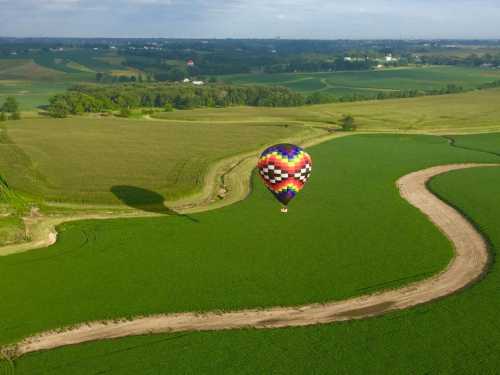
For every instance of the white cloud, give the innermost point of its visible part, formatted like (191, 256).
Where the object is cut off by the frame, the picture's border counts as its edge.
(252, 18)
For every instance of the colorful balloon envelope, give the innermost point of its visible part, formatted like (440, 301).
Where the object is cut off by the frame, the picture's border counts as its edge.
(285, 168)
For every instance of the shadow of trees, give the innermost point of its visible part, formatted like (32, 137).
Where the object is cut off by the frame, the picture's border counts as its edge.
(145, 200)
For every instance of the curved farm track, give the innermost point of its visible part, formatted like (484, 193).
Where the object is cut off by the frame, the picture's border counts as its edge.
(469, 263)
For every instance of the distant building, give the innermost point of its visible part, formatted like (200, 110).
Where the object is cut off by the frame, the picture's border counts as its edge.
(190, 63)
(198, 83)
(186, 80)
(348, 58)
(390, 58)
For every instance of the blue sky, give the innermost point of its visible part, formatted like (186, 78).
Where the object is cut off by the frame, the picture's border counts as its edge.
(252, 18)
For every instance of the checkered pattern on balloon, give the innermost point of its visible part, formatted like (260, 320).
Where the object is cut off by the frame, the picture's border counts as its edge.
(285, 168)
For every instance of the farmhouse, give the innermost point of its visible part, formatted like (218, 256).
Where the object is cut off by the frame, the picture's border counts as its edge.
(390, 58)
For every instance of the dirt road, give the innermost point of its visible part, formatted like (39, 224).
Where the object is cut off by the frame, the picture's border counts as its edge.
(469, 263)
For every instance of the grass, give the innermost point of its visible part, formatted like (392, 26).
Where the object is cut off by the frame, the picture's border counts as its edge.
(247, 254)
(468, 112)
(348, 83)
(81, 159)
(456, 335)
(12, 206)
(11, 230)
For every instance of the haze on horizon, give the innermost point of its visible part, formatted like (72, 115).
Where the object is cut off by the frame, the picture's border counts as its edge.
(309, 19)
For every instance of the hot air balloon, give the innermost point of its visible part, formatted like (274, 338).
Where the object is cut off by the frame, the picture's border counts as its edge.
(284, 168)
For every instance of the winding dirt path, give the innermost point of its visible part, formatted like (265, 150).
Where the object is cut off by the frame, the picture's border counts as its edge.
(469, 263)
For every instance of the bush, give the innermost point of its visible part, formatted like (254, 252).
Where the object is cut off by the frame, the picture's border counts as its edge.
(168, 107)
(10, 105)
(3, 117)
(347, 123)
(15, 116)
(125, 112)
(58, 108)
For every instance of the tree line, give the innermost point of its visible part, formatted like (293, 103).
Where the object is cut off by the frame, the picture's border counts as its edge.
(125, 97)
(472, 60)
(89, 99)
(320, 65)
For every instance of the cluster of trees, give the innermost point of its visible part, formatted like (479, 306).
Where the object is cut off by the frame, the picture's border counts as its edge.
(125, 97)
(88, 99)
(489, 85)
(323, 98)
(174, 68)
(110, 78)
(10, 109)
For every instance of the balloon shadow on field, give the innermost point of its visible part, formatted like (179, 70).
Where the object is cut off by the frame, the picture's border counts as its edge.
(145, 200)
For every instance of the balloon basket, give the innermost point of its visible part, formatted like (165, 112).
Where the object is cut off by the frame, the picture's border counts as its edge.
(284, 210)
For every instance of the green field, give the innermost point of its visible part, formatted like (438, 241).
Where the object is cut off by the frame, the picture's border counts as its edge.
(469, 112)
(77, 61)
(82, 159)
(483, 142)
(27, 69)
(31, 94)
(31, 84)
(167, 268)
(34, 80)
(456, 335)
(369, 83)
(171, 157)
(61, 69)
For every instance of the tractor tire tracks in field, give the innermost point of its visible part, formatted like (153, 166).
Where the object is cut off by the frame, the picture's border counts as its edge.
(468, 265)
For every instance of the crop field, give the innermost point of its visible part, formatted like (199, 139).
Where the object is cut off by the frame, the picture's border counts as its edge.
(34, 80)
(468, 112)
(489, 143)
(339, 262)
(82, 159)
(374, 81)
(78, 61)
(166, 267)
(27, 70)
(32, 84)
(31, 94)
